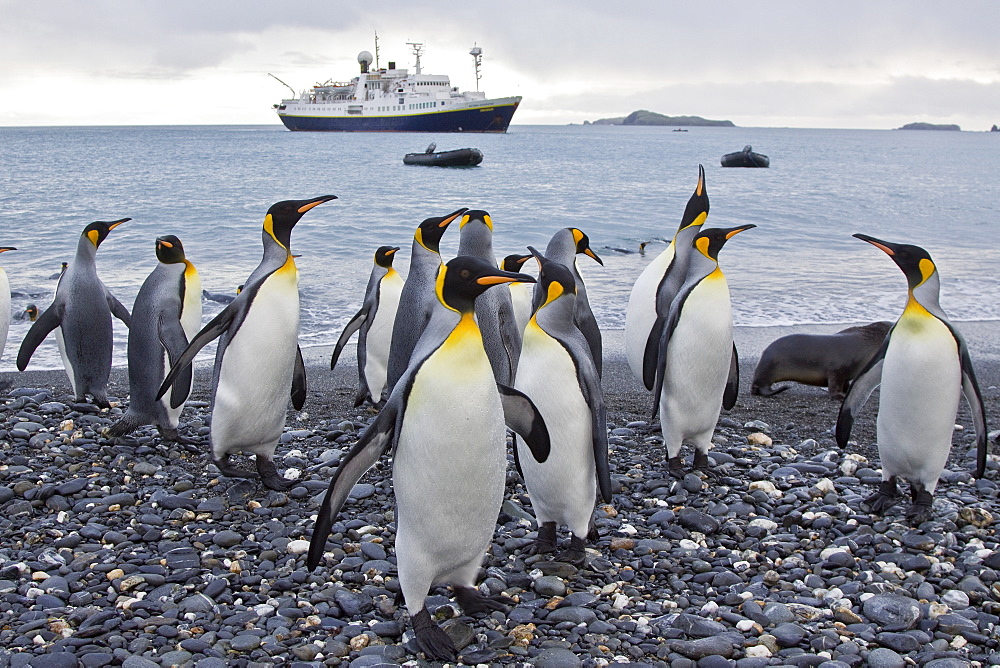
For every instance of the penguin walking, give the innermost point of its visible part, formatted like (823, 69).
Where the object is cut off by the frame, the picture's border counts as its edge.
(4, 302)
(375, 320)
(923, 366)
(563, 247)
(417, 300)
(29, 313)
(165, 316)
(81, 313)
(658, 285)
(697, 368)
(258, 363)
(448, 483)
(495, 310)
(521, 294)
(558, 374)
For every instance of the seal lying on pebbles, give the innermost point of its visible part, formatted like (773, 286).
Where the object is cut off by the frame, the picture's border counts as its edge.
(830, 360)
(923, 365)
(448, 482)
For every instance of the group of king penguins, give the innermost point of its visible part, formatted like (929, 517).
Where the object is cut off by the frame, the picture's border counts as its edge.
(460, 351)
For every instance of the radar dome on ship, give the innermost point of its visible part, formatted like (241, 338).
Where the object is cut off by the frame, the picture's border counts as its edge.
(365, 59)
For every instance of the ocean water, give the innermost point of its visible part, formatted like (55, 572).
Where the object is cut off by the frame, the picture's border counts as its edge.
(211, 185)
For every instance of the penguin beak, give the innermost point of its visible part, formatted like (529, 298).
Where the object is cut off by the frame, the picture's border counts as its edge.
(6, 248)
(391, 251)
(883, 246)
(594, 255)
(116, 223)
(450, 218)
(505, 277)
(316, 202)
(736, 230)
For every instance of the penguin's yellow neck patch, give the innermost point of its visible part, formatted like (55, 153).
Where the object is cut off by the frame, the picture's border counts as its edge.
(439, 287)
(555, 291)
(289, 266)
(926, 270)
(418, 236)
(702, 245)
(699, 220)
(95, 237)
(577, 235)
(269, 228)
(189, 270)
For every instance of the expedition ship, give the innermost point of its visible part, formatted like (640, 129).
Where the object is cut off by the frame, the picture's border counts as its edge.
(393, 100)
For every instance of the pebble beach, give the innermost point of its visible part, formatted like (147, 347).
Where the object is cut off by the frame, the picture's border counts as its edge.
(138, 553)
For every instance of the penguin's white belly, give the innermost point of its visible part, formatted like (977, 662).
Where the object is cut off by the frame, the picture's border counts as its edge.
(380, 335)
(191, 309)
(255, 380)
(563, 488)
(697, 362)
(449, 468)
(640, 314)
(67, 364)
(520, 297)
(918, 400)
(4, 310)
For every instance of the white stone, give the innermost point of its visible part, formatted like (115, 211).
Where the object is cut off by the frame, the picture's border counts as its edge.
(956, 599)
(759, 652)
(298, 547)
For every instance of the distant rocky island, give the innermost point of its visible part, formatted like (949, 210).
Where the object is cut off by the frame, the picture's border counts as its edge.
(929, 126)
(643, 117)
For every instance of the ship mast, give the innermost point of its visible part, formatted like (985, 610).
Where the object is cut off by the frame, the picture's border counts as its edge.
(477, 58)
(416, 46)
(376, 50)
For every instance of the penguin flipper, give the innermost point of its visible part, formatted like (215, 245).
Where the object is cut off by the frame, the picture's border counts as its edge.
(590, 383)
(660, 363)
(521, 415)
(733, 382)
(46, 322)
(174, 341)
(351, 327)
(587, 323)
(650, 358)
(119, 311)
(970, 388)
(374, 442)
(861, 388)
(213, 330)
(299, 381)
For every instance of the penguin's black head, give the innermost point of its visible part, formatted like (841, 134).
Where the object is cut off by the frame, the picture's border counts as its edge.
(384, 255)
(98, 231)
(709, 242)
(430, 231)
(169, 249)
(583, 244)
(514, 262)
(464, 278)
(32, 312)
(696, 210)
(477, 215)
(282, 216)
(914, 261)
(554, 278)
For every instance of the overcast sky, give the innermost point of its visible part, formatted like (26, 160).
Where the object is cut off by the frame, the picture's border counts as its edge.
(841, 64)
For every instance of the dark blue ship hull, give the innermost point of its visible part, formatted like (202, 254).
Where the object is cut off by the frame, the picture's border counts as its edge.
(479, 119)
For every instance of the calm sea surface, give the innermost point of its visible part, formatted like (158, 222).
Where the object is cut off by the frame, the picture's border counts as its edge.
(211, 185)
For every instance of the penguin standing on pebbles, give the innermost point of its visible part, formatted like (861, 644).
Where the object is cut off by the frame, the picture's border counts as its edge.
(166, 314)
(375, 320)
(697, 369)
(417, 300)
(657, 286)
(444, 423)
(923, 366)
(558, 374)
(258, 363)
(563, 248)
(81, 315)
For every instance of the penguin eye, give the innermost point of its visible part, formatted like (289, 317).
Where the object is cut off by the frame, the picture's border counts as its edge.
(465, 273)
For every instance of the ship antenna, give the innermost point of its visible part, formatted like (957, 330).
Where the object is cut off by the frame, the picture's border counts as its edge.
(417, 46)
(376, 50)
(477, 58)
(282, 83)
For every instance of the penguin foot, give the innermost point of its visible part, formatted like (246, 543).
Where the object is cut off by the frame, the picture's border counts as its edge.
(702, 465)
(431, 638)
(575, 554)
(920, 510)
(886, 496)
(675, 467)
(546, 540)
(269, 475)
(227, 469)
(175, 436)
(472, 601)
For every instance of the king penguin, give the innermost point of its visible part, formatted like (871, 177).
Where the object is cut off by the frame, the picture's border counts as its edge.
(81, 313)
(4, 302)
(697, 369)
(375, 320)
(657, 286)
(563, 248)
(520, 293)
(444, 423)
(416, 302)
(557, 372)
(258, 363)
(165, 316)
(923, 366)
(495, 310)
